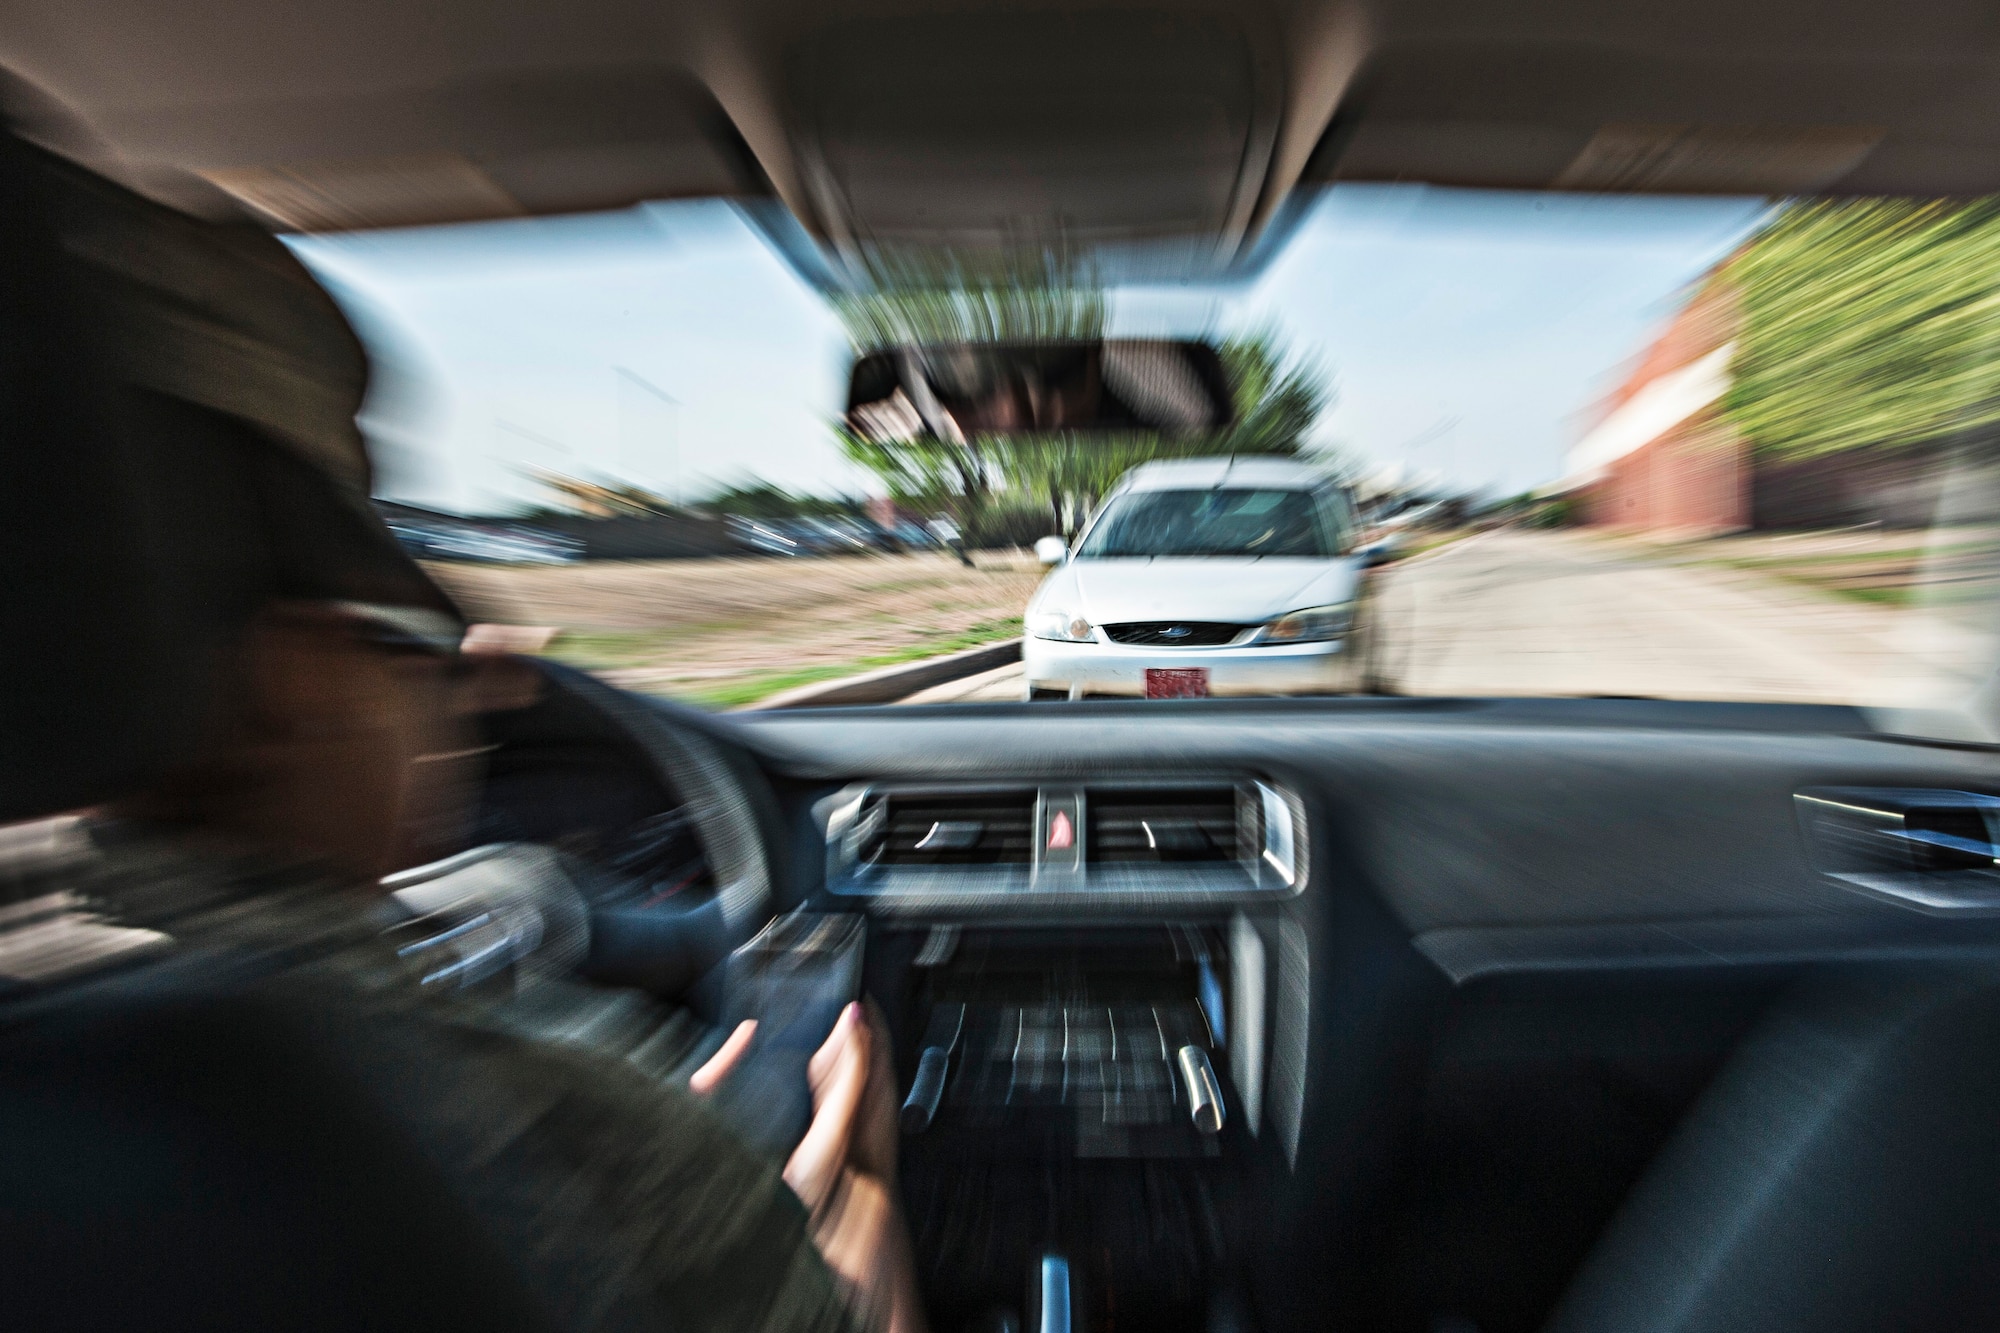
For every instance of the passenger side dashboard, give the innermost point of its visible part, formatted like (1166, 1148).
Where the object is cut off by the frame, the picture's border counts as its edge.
(1536, 950)
(1503, 836)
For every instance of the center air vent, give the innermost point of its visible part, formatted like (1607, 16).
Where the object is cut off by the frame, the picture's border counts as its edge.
(962, 828)
(1194, 824)
(1143, 840)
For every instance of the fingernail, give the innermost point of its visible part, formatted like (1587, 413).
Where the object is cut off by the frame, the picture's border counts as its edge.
(852, 1014)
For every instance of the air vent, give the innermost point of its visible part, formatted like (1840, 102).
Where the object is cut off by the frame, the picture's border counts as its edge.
(1135, 839)
(1931, 850)
(1947, 838)
(960, 828)
(1196, 824)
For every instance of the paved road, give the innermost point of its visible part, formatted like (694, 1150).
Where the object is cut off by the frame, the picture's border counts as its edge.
(1569, 613)
(1572, 613)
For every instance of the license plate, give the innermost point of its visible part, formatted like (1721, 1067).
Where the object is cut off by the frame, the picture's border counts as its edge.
(1176, 682)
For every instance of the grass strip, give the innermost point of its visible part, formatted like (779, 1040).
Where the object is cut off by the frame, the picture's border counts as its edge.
(762, 685)
(608, 651)
(1877, 594)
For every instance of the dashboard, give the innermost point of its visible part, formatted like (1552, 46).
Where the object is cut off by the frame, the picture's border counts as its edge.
(1367, 1012)
(1502, 836)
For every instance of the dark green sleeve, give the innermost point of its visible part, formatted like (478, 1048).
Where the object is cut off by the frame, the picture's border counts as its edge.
(625, 1202)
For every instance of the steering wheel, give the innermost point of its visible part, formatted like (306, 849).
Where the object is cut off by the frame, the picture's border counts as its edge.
(669, 947)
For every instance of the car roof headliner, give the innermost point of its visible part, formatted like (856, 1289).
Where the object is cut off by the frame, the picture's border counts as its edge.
(1174, 128)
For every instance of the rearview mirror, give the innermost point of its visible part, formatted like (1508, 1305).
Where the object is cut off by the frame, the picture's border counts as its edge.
(955, 391)
(1051, 550)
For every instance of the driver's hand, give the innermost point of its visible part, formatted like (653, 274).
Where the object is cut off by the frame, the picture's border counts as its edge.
(727, 1056)
(844, 1171)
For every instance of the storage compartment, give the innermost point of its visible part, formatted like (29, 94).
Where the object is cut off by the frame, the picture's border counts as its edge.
(1060, 1066)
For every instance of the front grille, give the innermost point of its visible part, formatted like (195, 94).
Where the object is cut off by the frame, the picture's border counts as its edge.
(1154, 824)
(1174, 633)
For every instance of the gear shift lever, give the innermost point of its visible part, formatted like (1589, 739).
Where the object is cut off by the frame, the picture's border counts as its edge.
(1204, 1093)
(1048, 1301)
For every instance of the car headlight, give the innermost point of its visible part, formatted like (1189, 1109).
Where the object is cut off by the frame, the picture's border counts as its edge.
(1060, 626)
(1315, 624)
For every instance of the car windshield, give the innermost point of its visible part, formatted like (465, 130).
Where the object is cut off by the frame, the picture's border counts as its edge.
(1209, 523)
(1557, 445)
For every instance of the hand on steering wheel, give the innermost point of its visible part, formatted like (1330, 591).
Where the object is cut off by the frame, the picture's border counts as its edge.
(844, 1169)
(727, 1056)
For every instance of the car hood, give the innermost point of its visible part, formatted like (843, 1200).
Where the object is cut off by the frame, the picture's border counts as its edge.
(1244, 591)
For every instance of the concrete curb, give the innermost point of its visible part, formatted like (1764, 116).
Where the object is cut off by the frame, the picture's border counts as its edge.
(890, 683)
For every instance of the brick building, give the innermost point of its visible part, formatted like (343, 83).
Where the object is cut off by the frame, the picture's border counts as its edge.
(1661, 456)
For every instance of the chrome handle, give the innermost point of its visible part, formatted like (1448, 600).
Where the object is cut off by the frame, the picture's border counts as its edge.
(1204, 1093)
(1053, 1302)
(921, 1105)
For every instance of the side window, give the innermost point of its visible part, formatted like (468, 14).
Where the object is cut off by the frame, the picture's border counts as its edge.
(1336, 518)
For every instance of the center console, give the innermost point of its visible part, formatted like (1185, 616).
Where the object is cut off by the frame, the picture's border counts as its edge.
(1090, 1044)
(1076, 981)
(1069, 1098)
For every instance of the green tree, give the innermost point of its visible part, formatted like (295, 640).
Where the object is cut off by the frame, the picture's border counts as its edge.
(1015, 304)
(757, 498)
(1278, 398)
(1866, 323)
(925, 474)
(990, 312)
(927, 297)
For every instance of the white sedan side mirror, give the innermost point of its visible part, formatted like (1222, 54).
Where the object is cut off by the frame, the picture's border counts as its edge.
(1051, 550)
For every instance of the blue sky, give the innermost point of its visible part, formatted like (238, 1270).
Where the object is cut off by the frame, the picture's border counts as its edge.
(1467, 333)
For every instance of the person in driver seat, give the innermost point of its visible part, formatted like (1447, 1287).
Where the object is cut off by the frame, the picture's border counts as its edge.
(232, 1096)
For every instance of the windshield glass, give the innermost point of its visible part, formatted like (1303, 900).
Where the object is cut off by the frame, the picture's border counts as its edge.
(1683, 448)
(1219, 522)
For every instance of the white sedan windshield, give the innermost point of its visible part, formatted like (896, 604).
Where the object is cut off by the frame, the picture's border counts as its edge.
(1226, 522)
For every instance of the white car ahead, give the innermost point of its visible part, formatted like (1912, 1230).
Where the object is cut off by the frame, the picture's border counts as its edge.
(1206, 576)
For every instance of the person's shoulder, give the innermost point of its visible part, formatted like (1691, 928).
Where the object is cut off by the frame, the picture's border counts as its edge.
(80, 898)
